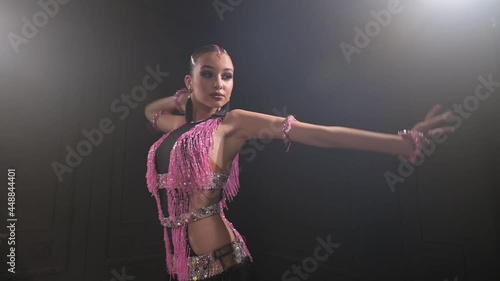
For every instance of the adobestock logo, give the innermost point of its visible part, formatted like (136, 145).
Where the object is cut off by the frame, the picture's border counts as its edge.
(362, 38)
(484, 90)
(221, 7)
(94, 137)
(264, 137)
(121, 277)
(30, 29)
(310, 264)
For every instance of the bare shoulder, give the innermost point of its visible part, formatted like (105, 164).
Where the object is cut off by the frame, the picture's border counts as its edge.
(229, 123)
(169, 122)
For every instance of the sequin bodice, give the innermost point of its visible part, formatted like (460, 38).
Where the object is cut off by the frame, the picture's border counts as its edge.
(218, 181)
(180, 175)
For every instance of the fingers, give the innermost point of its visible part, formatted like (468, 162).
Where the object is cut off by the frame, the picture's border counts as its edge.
(434, 110)
(441, 131)
(434, 121)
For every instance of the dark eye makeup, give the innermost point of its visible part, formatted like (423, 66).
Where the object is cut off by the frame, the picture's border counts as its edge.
(208, 74)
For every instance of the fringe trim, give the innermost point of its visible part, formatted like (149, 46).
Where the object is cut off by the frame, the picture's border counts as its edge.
(189, 170)
(152, 183)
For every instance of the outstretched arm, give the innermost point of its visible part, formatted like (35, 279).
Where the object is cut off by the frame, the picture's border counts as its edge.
(250, 125)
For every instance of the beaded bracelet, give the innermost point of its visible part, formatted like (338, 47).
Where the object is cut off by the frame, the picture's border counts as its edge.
(287, 125)
(176, 99)
(156, 116)
(418, 139)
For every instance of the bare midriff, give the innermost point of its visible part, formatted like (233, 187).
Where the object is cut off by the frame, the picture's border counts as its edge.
(213, 232)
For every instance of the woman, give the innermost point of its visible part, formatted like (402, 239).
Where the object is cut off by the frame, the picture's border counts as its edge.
(193, 167)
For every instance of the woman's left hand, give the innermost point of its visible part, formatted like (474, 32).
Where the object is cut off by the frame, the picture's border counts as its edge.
(432, 120)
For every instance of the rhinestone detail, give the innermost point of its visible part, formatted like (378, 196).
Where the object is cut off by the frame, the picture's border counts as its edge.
(218, 181)
(193, 216)
(204, 266)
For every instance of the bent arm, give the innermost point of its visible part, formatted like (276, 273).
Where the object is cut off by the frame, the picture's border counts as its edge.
(251, 125)
(168, 121)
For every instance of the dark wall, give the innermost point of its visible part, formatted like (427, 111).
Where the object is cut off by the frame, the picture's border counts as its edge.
(79, 147)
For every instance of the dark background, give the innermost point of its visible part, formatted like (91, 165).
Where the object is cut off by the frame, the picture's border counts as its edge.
(100, 222)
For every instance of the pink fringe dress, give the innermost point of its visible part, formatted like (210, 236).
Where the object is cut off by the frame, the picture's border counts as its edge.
(189, 170)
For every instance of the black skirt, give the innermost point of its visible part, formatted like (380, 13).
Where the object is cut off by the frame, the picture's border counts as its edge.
(244, 271)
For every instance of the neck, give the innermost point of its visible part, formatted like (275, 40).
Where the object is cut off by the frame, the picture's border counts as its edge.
(202, 112)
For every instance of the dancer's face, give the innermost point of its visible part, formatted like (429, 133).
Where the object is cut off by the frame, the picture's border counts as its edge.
(212, 74)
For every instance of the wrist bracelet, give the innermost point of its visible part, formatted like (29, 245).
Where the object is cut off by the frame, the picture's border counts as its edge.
(418, 139)
(287, 125)
(156, 116)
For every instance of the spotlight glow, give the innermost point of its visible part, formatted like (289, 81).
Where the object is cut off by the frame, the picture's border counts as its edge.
(451, 4)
